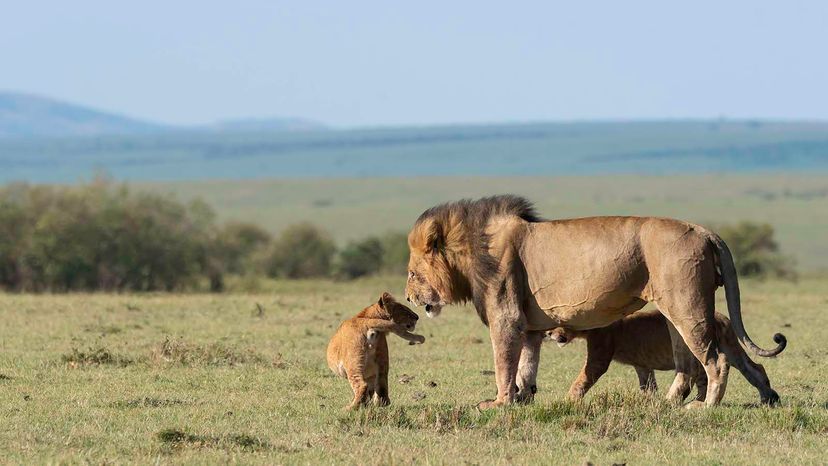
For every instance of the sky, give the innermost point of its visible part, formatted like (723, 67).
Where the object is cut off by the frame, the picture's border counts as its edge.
(355, 63)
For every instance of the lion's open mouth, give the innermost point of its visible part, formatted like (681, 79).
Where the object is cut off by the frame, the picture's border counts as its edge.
(433, 310)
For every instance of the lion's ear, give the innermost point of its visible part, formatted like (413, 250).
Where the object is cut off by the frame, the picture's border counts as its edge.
(385, 299)
(434, 238)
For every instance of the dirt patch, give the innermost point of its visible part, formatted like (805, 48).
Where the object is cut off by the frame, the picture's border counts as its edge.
(182, 352)
(94, 357)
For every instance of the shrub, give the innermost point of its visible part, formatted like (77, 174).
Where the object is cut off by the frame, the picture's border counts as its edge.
(360, 258)
(301, 251)
(99, 236)
(395, 253)
(235, 249)
(755, 251)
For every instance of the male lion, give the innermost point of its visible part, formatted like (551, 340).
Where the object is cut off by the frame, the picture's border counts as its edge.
(358, 350)
(642, 340)
(525, 275)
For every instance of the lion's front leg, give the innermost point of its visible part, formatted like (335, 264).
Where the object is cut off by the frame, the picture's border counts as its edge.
(527, 372)
(506, 332)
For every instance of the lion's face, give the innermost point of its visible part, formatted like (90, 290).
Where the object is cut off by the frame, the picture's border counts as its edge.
(429, 276)
(422, 286)
(560, 335)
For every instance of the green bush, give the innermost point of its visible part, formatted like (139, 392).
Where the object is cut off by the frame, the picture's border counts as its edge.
(395, 253)
(301, 251)
(235, 248)
(99, 237)
(755, 250)
(360, 258)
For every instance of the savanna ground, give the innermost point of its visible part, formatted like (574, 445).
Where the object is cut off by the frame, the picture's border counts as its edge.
(242, 378)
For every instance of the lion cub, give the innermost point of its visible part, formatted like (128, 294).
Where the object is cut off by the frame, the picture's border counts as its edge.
(359, 352)
(642, 340)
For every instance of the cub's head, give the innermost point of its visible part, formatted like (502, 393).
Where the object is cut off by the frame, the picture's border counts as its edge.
(429, 275)
(399, 313)
(561, 335)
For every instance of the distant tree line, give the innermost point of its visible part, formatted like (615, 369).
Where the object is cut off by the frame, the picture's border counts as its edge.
(100, 236)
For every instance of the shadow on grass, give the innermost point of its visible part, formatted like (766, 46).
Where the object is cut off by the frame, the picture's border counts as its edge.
(176, 438)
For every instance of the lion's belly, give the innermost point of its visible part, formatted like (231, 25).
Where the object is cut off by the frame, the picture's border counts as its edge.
(583, 278)
(585, 315)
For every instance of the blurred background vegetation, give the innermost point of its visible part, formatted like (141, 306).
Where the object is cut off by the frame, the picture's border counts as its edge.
(106, 236)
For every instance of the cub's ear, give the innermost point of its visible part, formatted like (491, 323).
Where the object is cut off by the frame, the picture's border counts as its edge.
(385, 300)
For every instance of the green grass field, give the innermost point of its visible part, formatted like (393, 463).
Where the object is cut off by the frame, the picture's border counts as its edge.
(242, 378)
(795, 204)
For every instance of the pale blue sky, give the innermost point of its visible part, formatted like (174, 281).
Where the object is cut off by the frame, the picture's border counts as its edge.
(353, 63)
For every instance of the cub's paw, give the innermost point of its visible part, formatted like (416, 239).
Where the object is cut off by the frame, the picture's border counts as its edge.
(416, 339)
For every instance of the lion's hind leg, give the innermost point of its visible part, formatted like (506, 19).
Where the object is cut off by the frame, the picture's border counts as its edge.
(692, 318)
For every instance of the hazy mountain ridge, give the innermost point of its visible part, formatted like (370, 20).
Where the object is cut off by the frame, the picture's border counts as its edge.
(26, 115)
(31, 116)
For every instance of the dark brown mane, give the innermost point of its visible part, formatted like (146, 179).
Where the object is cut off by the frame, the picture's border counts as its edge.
(472, 216)
(481, 210)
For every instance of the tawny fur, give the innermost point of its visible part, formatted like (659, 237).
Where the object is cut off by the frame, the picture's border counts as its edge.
(358, 350)
(525, 275)
(642, 340)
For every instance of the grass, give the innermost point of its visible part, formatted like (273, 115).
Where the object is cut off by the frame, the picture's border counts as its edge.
(242, 378)
(795, 204)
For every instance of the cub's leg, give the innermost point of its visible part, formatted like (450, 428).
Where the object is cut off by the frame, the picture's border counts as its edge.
(382, 372)
(700, 380)
(686, 366)
(646, 379)
(599, 355)
(361, 394)
(753, 372)
(528, 367)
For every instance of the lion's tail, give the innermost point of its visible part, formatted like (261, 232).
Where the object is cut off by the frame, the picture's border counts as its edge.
(734, 307)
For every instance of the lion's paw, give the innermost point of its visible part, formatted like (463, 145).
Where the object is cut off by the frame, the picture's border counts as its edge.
(489, 404)
(695, 404)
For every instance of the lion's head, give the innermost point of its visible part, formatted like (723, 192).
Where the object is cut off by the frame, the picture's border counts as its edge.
(449, 259)
(429, 273)
(561, 335)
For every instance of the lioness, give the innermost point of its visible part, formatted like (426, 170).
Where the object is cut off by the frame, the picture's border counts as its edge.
(359, 352)
(642, 340)
(525, 275)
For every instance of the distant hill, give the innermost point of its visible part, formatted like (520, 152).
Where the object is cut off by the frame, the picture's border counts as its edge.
(267, 124)
(30, 116)
(25, 115)
(541, 149)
